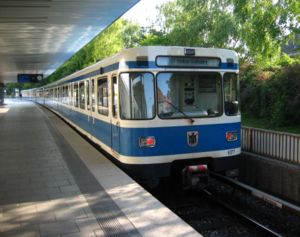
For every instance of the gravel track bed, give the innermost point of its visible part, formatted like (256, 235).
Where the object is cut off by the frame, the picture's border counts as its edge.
(212, 220)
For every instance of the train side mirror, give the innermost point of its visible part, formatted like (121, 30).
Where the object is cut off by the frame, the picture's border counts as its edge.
(231, 108)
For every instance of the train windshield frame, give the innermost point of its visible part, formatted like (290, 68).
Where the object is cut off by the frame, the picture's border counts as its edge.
(193, 94)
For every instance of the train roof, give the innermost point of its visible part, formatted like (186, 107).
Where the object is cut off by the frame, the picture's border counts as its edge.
(149, 53)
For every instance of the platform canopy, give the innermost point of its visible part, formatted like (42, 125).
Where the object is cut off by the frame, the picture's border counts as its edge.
(36, 36)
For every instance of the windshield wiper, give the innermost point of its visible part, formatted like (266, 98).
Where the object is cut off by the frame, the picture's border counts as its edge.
(180, 111)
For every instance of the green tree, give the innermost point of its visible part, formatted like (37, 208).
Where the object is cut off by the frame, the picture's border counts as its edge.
(199, 23)
(256, 29)
(266, 25)
(122, 34)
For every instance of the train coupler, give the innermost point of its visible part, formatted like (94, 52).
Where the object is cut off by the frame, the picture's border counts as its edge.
(195, 176)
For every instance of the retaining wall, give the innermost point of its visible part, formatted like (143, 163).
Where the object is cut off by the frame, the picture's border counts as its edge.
(275, 177)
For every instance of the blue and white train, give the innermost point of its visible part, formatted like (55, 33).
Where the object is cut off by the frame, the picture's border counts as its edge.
(155, 107)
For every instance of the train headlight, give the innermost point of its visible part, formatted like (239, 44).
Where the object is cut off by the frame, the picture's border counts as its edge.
(231, 136)
(147, 141)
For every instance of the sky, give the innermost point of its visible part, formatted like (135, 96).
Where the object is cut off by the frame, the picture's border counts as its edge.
(144, 12)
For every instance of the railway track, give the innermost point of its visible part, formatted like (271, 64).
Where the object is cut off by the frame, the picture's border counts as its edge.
(230, 208)
(243, 217)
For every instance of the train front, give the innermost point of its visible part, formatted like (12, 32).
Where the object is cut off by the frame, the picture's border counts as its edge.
(182, 112)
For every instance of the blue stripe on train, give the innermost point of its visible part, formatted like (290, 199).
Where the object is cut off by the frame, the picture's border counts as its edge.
(169, 140)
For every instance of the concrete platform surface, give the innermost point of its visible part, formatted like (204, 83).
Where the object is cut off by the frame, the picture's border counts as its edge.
(53, 183)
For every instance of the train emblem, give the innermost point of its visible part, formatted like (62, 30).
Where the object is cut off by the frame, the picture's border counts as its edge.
(192, 138)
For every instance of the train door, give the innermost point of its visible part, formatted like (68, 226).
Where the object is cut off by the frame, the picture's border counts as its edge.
(115, 123)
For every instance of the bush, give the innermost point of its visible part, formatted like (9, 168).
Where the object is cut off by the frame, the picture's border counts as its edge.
(272, 94)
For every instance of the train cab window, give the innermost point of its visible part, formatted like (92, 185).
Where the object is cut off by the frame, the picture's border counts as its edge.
(93, 95)
(231, 94)
(137, 95)
(87, 83)
(114, 96)
(189, 94)
(103, 96)
(76, 95)
(81, 95)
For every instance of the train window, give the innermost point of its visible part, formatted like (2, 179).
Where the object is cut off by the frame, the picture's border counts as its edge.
(189, 94)
(137, 95)
(102, 97)
(87, 83)
(65, 94)
(60, 93)
(231, 94)
(81, 95)
(115, 97)
(93, 94)
(70, 95)
(76, 95)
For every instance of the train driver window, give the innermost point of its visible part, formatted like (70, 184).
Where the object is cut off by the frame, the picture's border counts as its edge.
(189, 94)
(81, 95)
(102, 96)
(231, 93)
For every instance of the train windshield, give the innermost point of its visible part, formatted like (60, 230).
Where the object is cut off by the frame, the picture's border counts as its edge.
(192, 94)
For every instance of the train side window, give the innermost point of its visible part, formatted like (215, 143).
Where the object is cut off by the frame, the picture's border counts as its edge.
(87, 83)
(60, 94)
(65, 97)
(114, 97)
(102, 96)
(70, 94)
(137, 95)
(76, 94)
(93, 94)
(81, 95)
(231, 93)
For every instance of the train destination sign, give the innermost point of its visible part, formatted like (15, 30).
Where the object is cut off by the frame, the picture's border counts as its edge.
(32, 78)
(179, 61)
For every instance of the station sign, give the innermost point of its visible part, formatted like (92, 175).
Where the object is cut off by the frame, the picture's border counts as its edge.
(30, 78)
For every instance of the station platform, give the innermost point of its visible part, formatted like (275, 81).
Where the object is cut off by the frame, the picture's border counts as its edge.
(54, 183)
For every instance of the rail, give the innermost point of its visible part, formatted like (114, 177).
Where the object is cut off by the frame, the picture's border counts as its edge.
(277, 145)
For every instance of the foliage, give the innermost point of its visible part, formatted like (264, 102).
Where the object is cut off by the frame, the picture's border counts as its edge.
(265, 26)
(256, 29)
(272, 95)
(122, 34)
(250, 121)
(197, 23)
